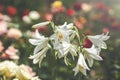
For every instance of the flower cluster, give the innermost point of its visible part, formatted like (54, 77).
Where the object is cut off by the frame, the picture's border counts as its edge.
(11, 71)
(10, 53)
(66, 39)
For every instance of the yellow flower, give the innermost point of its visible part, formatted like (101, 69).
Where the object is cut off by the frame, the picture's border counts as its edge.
(56, 4)
(7, 68)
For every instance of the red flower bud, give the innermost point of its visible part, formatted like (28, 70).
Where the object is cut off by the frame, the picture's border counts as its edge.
(70, 12)
(26, 12)
(87, 43)
(11, 10)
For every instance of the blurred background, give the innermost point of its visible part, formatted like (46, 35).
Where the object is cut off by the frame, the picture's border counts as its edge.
(90, 16)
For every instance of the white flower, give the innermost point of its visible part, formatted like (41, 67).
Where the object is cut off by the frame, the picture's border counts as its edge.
(27, 19)
(98, 40)
(81, 65)
(61, 41)
(41, 48)
(86, 7)
(92, 53)
(61, 34)
(34, 15)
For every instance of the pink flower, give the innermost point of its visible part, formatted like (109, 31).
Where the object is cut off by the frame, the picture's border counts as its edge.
(115, 25)
(3, 27)
(48, 16)
(102, 6)
(105, 30)
(1, 46)
(79, 25)
(4, 18)
(14, 33)
(10, 53)
(28, 69)
(58, 9)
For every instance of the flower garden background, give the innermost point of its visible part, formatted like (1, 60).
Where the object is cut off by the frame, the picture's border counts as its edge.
(91, 18)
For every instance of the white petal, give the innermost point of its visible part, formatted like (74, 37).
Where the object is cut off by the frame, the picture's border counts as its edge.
(73, 52)
(64, 48)
(69, 32)
(72, 36)
(35, 41)
(39, 56)
(89, 59)
(96, 57)
(63, 26)
(38, 48)
(81, 61)
(103, 45)
(37, 34)
(95, 41)
(76, 70)
(105, 36)
(92, 50)
(41, 24)
(70, 26)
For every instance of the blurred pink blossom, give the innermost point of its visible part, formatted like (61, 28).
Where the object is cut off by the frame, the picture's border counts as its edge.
(28, 69)
(1, 46)
(10, 53)
(3, 27)
(105, 30)
(79, 25)
(58, 9)
(48, 16)
(3, 24)
(4, 17)
(14, 33)
(115, 25)
(102, 6)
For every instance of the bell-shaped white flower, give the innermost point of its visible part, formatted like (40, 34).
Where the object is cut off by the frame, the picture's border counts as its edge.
(41, 48)
(98, 40)
(81, 65)
(91, 54)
